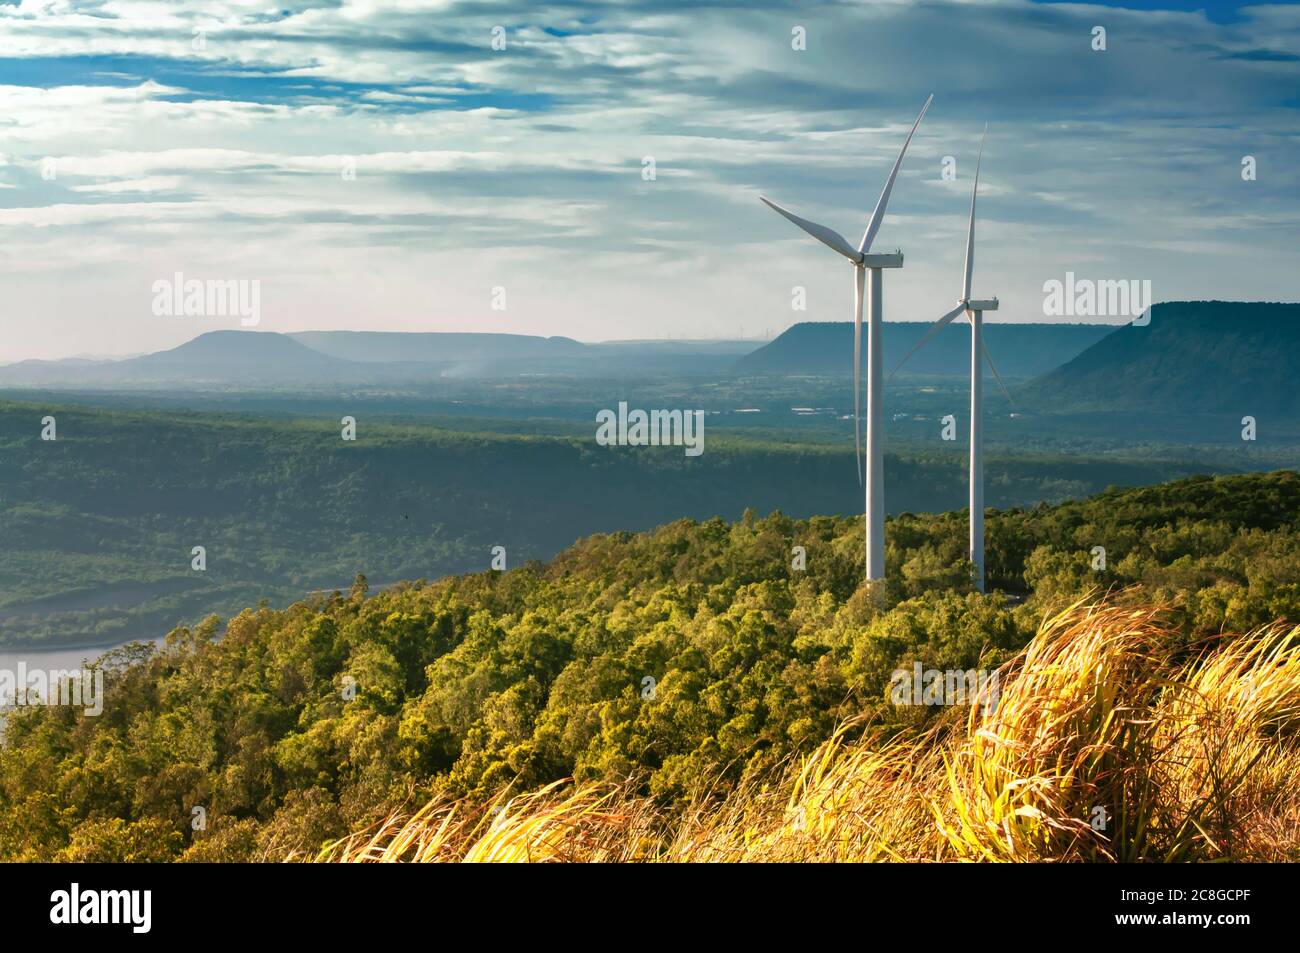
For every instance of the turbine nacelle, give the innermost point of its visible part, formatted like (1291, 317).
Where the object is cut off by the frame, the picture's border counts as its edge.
(886, 260)
(859, 258)
(965, 306)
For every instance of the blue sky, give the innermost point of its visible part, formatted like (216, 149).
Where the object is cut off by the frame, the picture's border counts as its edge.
(219, 154)
(1219, 11)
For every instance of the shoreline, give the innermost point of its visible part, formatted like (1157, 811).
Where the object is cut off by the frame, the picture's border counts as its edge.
(102, 647)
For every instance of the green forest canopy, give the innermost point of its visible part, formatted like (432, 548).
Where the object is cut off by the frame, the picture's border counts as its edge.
(475, 682)
(99, 525)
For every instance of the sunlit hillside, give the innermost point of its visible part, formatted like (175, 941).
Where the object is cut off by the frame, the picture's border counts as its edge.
(703, 660)
(1112, 739)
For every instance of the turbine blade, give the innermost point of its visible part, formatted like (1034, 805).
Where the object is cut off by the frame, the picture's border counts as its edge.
(970, 230)
(827, 236)
(878, 215)
(859, 275)
(993, 367)
(934, 328)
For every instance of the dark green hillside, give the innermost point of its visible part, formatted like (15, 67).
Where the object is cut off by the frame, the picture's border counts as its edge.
(291, 727)
(1021, 350)
(98, 526)
(1213, 357)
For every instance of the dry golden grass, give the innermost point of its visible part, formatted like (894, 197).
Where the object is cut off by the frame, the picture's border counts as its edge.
(1190, 752)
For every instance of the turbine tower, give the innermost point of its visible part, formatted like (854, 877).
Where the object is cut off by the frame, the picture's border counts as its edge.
(974, 310)
(868, 283)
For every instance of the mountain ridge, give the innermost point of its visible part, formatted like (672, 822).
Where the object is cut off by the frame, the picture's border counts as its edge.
(1020, 350)
(1198, 356)
(230, 356)
(434, 346)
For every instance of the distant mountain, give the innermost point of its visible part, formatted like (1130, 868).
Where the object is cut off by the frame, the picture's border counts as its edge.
(1020, 350)
(436, 347)
(677, 346)
(265, 358)
(215, 357)
(1204, 356)
(240, 353)
(489, 355)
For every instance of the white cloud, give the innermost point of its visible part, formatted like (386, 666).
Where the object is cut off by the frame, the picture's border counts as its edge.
(523, 167)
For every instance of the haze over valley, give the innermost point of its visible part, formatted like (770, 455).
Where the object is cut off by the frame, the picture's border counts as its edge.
(464, 442)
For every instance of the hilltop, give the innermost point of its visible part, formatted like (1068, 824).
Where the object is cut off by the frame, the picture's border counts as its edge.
(434, 346)
(243, 358)
(1214, 357)
(234, 357)
(1021, 350)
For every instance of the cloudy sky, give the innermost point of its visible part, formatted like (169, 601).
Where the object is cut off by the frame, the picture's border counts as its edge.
(140, 138)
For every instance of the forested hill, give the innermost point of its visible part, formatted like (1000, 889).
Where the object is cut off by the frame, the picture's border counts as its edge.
(1021, 350)
(99, 525)
(677, 657)
(1214, 357)
(438, 347)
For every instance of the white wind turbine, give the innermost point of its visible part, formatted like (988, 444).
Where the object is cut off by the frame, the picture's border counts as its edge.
(866, 264)
(975, 311)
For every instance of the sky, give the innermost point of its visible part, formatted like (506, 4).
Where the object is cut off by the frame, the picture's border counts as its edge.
(508, 190)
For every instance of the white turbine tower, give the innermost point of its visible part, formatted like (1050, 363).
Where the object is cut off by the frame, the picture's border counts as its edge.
(867, 265)
(975, 311)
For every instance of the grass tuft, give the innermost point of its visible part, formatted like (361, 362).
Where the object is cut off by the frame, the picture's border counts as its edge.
(1112, 739)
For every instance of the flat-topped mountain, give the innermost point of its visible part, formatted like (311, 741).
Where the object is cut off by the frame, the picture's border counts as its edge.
(1020, 350)
(436, 346)
(217, 356)
(1231, 357)
(240, 357)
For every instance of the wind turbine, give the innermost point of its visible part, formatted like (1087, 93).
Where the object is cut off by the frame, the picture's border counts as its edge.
(867, 265)
(973, 309)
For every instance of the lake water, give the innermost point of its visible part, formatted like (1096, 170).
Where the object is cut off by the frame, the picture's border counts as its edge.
(45, 660)
(54, 658)
(68, 659)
